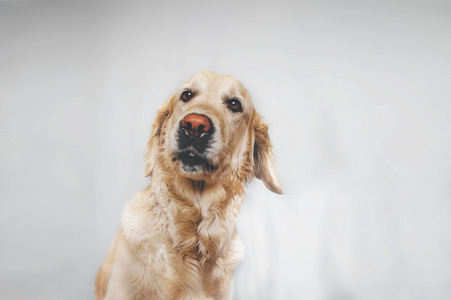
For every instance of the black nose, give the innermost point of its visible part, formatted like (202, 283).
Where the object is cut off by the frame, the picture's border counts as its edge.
(195, 125)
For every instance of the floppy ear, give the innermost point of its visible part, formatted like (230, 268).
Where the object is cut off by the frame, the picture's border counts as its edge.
(153, 146)
(264, 165)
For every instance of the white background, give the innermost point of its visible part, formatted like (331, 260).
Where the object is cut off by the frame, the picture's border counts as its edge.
(358, 98)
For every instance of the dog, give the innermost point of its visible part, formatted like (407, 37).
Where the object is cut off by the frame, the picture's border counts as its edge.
(178, 238)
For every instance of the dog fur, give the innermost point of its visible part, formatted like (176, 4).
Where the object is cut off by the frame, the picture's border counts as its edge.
(178, 238)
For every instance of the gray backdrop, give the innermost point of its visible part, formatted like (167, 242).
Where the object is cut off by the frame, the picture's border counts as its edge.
(357, 96)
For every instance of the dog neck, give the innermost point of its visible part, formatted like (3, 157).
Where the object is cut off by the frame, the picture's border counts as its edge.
(204, 213)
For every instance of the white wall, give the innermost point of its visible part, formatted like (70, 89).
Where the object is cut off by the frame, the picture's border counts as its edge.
(358, 100)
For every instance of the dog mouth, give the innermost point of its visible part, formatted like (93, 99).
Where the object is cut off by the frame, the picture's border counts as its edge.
(194, 144)
(192, 162)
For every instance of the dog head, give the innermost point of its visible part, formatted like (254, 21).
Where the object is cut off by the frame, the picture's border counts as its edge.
(209, 129)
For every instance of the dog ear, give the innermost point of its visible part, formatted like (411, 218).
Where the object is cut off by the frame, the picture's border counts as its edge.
(153, 146)
(264, 165)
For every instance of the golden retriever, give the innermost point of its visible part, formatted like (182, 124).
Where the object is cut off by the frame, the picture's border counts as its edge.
(177, 238)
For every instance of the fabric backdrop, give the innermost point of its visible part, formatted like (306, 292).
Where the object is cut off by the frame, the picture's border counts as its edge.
(358, 98)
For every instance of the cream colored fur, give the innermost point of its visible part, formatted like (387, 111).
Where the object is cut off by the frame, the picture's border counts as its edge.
(178, 238)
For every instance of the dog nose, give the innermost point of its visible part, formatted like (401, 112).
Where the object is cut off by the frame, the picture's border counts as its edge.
(195, 125)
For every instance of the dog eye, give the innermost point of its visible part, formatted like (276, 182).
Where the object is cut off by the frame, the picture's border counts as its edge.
(234, 105)
(186, 96)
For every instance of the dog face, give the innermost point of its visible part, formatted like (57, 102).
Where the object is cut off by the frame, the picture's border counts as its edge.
(209, 129)
(209, 124)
